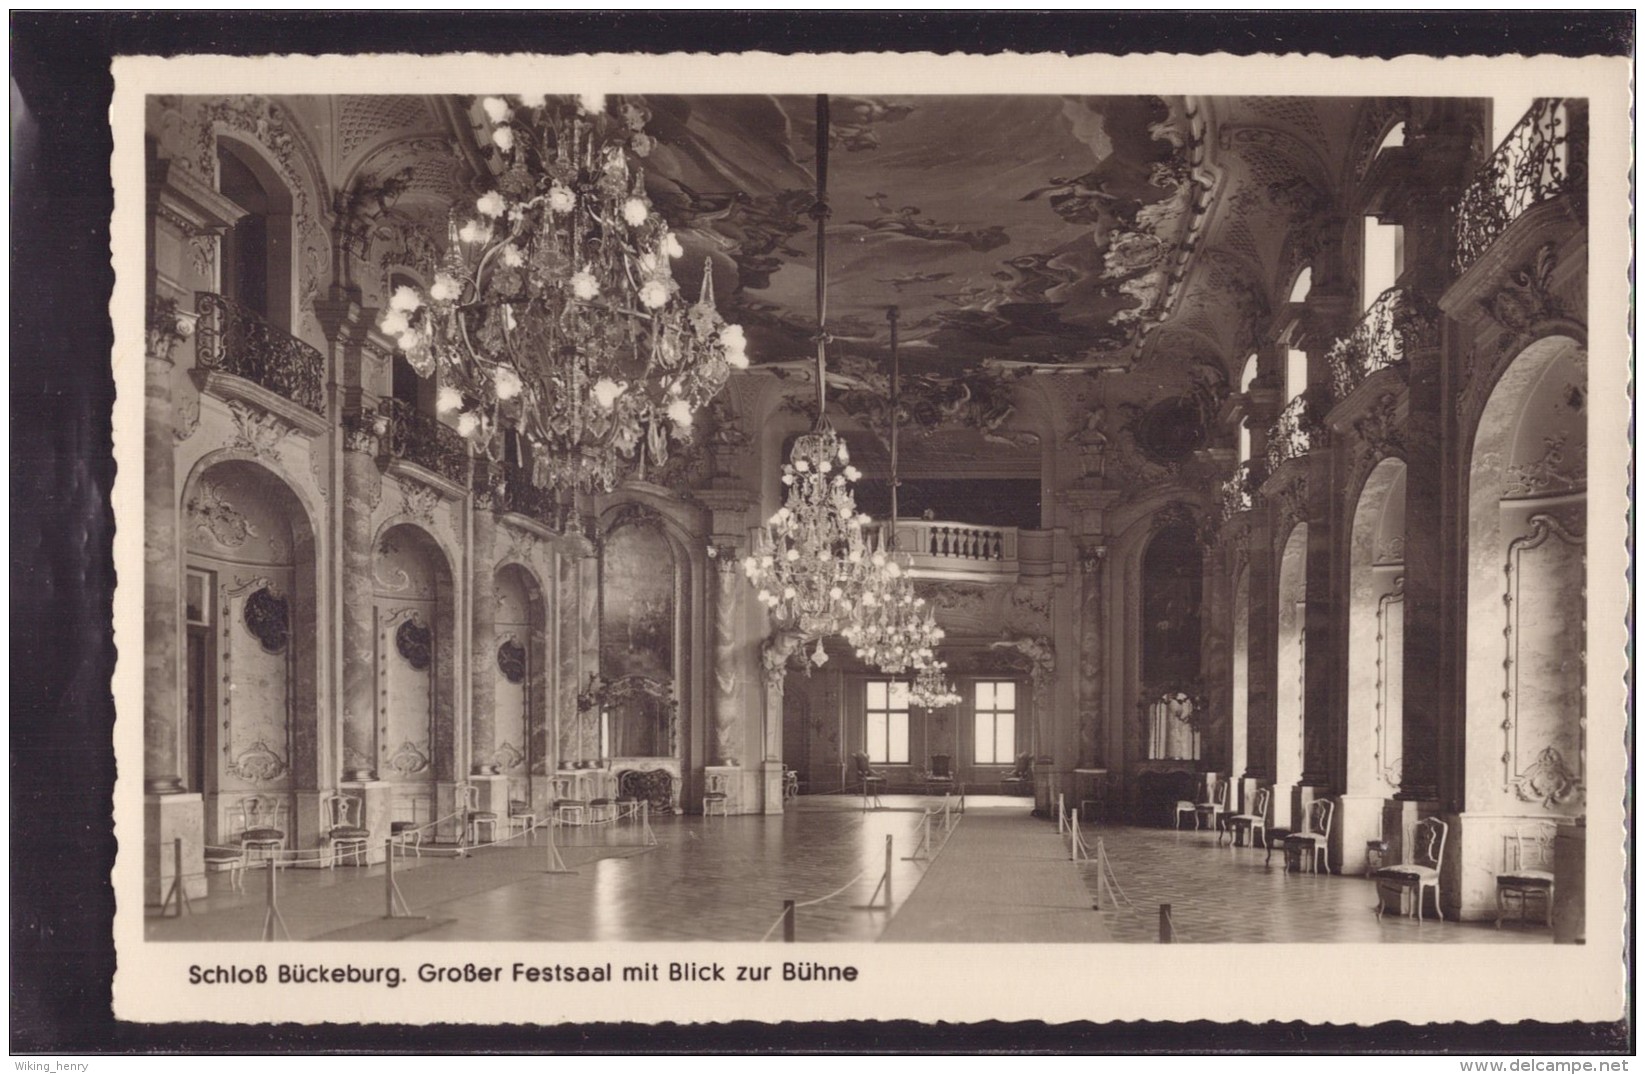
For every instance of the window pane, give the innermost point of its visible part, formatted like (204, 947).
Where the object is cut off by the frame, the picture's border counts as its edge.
(898, 752)
(984, 739)
(876, 737)
(985, 696)
(1005, 696)
(1005, 737)
(876, 694)
(899, 695)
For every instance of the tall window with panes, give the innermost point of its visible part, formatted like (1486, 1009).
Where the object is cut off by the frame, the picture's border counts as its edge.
(995, 712)
(887, 706)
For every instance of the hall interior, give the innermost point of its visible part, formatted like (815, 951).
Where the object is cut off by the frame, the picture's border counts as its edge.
(700, 490)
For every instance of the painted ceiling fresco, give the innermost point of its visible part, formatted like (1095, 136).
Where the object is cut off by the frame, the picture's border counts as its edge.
(1030, 229)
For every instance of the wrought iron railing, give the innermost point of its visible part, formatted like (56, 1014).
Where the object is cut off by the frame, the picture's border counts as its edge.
(1543, 157)
(232, 338)
(1397, 323)
(424, 440)
(512, 490)
(1235, 495)
(1292, 434)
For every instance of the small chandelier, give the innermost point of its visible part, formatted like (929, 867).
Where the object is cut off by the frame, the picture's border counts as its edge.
(891, 626)
(555, 309)
(811, 560)
(931, 689)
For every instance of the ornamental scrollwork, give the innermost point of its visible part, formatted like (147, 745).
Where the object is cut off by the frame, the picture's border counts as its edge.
(1548, 780)
(258, 764)
(409, 758)
(511, 660)
(267, 617)
(415, 642)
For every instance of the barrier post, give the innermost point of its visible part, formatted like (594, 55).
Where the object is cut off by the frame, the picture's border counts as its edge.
(271, 917)
(1062, 816)
(888, 871)
(788, 921)
(388, 886)
(177, 890)
(1166, 932)
(556, 864)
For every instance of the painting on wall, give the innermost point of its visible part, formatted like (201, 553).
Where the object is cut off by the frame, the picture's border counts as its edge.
(637, 605)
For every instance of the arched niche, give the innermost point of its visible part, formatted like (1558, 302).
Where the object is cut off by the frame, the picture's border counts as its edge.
(1376, 633)
(1527, 500)
(251, 661)
(520, 668)
(1292, 591)
(257, 263)
(642, 600)
(414, 613)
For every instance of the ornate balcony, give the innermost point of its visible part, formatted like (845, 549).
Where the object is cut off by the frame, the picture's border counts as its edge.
(425, 441)
(1235, 495)
(1397, 323)
(513, 491)
(1292, 434)
(233, 339)
(1543, 157)
(942, 548)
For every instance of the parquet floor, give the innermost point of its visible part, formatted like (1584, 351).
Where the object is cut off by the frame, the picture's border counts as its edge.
(1002, 876)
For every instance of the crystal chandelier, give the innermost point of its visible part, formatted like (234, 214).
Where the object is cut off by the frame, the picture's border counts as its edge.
(931, 689)
(891, 626)
(555, 310)
(812, 561)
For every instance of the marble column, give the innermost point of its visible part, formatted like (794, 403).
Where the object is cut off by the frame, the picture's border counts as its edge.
(588, 649)
(727, 728)
(569, 669)
(1324, 711)
(162, 703)
(774, 659)
(1091, 556)
(362, 490)
(483, 667)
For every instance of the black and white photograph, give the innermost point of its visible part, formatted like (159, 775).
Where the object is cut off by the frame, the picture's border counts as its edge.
(755, 535)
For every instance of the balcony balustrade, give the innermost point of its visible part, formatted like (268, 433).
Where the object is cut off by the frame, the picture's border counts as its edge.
(1397, 323)
(425, 441)
(1235, 495)
(1543, 157)
(234, 339)
(940, 545)
(1292, 434)
(512, 490)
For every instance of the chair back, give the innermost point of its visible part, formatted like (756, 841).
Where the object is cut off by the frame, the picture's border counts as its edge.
(1025, 767)
(715, 784)
(1259, 804)
(563, 787)
(1428, 844)
(1529, 850)
(468, 796)
(341, 811)
(260, 812)
(1219, 792)
(860, 760)
(942, 765)
(518, 807)
(1318, 818)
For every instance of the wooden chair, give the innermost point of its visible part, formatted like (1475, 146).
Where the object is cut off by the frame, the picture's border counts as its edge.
(406, 832)
(715, 796)
(262, 826)
(474, 819)
(1022, 777)
(1419, 874)
(569, 807)
(521, 816)
(1255, 823)
(872, 780)
(791, 784)
(232, 859)
(940, 776)
(344, 834)
(1528, 874)
(1215, 809)
(1313, 843)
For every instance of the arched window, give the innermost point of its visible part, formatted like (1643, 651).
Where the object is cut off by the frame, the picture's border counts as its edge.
(1303, 284)
(1296, 373)
(1383, 247)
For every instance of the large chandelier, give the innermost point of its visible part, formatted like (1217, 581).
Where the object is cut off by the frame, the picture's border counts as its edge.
(891, 626)
(555, 310)
(812, 560)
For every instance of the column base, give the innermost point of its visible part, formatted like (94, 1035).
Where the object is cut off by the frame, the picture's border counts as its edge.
(165, 819)
(739, 795)
(771, 787)
(1475, 848)
(376, 812)
(1358, 821)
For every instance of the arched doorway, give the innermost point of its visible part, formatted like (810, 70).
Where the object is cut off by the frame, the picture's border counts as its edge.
(1376, 648)
(414, 612)
(1289, 668)
(1525, 750)
(250, 648)
(256, 266)
(520, 670)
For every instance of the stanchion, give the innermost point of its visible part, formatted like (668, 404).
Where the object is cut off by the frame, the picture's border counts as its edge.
(788, 921)
(1062, 816)
(271, 917)
(921, 852)
(885, 884)
(1165, 930)
(396, 906)
(556, 864)
(177, 890)
(649, 837)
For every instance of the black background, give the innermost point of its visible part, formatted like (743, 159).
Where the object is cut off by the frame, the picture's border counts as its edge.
(62, 576)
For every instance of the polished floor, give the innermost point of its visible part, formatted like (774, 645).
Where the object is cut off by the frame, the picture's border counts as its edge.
(995, 874)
